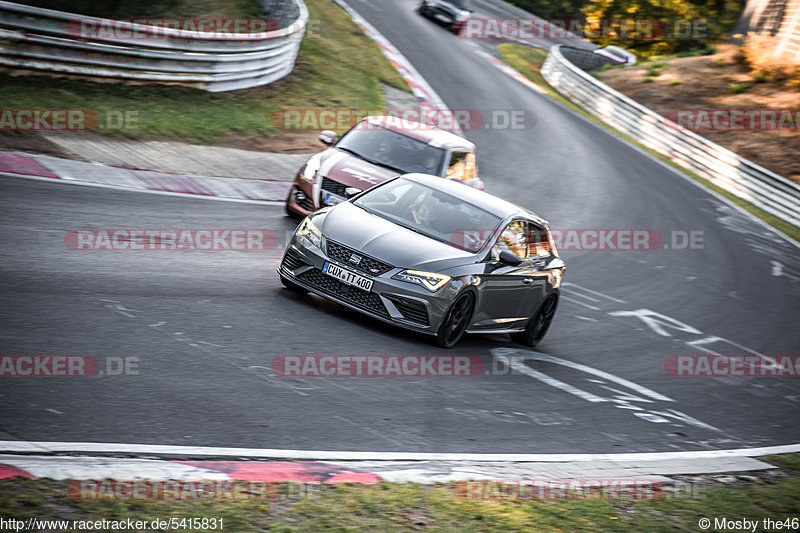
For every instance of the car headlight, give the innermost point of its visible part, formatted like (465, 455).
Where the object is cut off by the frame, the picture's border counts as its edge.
(430, 280)
(311, 233)
(312, 166)
(463, 15)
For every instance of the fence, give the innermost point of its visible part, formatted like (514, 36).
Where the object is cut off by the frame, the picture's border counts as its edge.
(44, 39)
(765, 189)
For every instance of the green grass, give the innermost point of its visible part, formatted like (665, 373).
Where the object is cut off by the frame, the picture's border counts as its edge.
(529, 64)
(388, 507)
(675, 82)
(338, 67)
(654, 68)
(738, 88)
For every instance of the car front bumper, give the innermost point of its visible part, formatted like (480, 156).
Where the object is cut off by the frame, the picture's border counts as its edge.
(393, 301)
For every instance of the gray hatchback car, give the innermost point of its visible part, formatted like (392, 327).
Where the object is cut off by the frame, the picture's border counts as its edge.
(433, 256)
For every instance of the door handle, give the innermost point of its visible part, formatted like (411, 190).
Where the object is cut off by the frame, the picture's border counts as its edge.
(527, 281)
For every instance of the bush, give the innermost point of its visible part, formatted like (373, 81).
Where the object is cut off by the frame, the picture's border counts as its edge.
(738, 88)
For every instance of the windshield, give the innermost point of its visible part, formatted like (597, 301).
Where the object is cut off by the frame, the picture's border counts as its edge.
(392, 150)
(461, 4)
(431, 212)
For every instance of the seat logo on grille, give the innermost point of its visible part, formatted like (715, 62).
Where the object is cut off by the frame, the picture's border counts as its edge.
(355, 259)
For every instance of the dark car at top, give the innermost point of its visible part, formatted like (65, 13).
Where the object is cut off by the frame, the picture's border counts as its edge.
(450, 13)
(376, 149)
(433, 256)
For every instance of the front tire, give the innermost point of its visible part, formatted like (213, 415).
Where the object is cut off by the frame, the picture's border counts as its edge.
(456, 321)
(539, 323)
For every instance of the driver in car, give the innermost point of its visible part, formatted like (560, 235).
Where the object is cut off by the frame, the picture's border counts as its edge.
(424, 213)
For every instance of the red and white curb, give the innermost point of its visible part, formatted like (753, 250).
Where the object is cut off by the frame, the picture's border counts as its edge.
(192, 463)
(426, 95)
(508, 70)
(62, 468)
(80, 173)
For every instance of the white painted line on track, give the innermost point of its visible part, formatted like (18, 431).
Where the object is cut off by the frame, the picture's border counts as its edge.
(150, 450)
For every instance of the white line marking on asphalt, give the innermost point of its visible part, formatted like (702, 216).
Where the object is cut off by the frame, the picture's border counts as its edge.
(567, 298)
(587, 297)
(571, 284)
(520, 355)
(54, 411)
(16, 446)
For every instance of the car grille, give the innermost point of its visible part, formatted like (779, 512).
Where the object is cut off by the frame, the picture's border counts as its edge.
(292, 260)
(368, 264)
(411, 310)
(369, 301)
(303, 201)
(333, 186)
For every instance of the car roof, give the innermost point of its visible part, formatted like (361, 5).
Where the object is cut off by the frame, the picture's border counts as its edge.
(493, 204)
(422, 132)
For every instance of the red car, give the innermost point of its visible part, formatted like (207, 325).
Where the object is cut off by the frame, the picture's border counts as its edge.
(375, 150)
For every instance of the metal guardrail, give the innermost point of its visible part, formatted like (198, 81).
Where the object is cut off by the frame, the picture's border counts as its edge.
(765, 189)
(44, 39)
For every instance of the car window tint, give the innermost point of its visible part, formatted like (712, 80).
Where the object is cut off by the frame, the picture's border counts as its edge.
(431, 212)
(392, 149)
(538, 243)
(513, 239)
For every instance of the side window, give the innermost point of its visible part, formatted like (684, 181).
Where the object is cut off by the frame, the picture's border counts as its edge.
(461, 166)
(538, 243)
(513, 239)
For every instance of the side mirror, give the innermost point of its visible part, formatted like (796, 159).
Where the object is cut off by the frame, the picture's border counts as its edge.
(328, 137)
(351, 191)
(509, 258)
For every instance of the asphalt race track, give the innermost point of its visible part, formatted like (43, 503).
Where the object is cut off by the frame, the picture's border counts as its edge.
(206, 325)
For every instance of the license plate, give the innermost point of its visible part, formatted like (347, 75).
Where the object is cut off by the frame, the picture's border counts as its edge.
(345, 276)
(331, 199)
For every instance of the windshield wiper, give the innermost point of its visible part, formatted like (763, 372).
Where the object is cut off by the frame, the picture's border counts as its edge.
(349, 151)
(380, 164)
(373, 161)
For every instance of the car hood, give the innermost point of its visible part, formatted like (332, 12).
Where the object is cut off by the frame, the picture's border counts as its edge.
(372, 235)
(348, 169)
